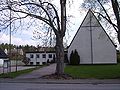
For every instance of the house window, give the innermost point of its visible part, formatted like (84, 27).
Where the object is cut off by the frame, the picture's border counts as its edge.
(43, 63)
(54, 57)
(37, 56)
(50, 56)
(44, 56)
(37, 63)
(31, 63)
(31, 56)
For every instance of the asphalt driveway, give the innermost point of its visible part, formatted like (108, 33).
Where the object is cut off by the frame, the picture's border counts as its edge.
(39, 73)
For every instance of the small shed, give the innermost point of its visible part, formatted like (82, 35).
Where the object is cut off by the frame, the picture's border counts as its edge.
(92, 43)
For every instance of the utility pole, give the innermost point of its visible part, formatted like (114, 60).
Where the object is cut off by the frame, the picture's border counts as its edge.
(9, 6)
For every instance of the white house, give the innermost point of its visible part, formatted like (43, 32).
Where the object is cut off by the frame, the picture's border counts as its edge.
(92, 43)
(40, 57)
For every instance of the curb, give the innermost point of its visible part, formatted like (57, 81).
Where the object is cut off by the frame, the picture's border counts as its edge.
(51, 81)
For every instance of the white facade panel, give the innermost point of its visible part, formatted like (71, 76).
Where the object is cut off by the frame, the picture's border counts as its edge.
(103, 49)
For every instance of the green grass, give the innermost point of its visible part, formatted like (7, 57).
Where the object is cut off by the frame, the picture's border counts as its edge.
(94, 71)
(15, 74)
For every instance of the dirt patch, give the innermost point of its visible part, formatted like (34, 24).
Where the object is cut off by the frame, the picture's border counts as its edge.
(55, 76)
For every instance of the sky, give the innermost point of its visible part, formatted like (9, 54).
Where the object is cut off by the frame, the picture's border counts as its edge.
(24, 37)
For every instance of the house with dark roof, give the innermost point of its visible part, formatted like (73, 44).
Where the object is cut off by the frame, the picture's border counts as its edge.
(3, 57)
(42, 57)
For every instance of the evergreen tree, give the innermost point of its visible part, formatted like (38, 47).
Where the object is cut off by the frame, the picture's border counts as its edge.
(74, 58)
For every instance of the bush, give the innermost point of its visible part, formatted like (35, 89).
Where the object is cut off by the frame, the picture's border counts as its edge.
(52, 61)
(74, 58)
(26, 60)
(48, 61)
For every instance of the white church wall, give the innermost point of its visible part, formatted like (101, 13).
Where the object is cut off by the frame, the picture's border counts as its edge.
(103, 49)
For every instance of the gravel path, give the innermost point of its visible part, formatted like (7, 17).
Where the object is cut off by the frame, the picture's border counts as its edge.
(39, 73)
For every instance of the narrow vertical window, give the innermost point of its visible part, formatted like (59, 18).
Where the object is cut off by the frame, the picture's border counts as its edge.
(50, 55)
(43, 55)
(31, 56)
(37, 56)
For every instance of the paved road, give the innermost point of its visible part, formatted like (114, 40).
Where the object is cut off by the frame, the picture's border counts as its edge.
(32, 81)
(39, 73)
(35, 86)
(18, 68)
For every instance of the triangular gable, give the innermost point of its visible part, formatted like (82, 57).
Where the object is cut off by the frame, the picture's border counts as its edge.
(90, 20)
(93, 43)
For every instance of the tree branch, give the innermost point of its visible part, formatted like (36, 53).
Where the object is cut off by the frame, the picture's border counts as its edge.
(108, 17)
(114, 26)
(47, 21)
(55, 14)
(116, 10)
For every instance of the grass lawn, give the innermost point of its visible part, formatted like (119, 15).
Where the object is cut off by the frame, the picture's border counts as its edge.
(94, 71)
(15, 74)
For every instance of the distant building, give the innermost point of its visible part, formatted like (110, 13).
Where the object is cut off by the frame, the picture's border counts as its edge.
(40, 57)
(14, 51)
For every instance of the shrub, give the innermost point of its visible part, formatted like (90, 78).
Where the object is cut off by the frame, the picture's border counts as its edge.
(74, 58)
(26, 60)
(48, 61)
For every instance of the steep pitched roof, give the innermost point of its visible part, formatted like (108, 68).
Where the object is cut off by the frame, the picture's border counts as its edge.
(3, 54)
(90, 20)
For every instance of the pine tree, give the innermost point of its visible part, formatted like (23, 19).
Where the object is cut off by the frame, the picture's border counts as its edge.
(74, 58)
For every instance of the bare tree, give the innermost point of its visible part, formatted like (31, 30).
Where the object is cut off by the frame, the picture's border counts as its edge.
(99, 5)
(44, 11)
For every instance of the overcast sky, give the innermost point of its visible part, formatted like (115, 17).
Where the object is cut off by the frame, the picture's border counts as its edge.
(25, 36)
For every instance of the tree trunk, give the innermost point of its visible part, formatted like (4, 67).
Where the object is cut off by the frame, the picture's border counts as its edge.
(59, 55)
(116, 10)
(59, 40)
